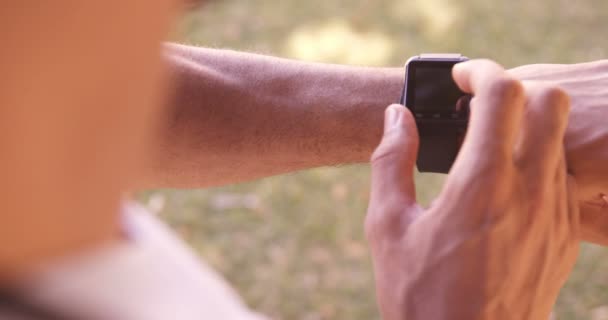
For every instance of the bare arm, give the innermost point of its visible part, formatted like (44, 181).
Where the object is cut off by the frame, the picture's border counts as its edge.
(237, 116)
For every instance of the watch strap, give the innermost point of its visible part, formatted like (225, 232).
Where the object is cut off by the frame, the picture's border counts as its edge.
(438, 148)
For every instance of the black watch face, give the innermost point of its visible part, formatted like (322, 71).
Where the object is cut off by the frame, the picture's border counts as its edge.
(431, 93)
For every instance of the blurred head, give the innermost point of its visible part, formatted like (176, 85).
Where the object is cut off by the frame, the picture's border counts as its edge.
(81, 89)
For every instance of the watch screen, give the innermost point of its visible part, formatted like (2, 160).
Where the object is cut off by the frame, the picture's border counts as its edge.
(432, 89)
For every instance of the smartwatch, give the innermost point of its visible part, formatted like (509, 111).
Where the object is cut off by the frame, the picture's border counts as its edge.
(440, 108)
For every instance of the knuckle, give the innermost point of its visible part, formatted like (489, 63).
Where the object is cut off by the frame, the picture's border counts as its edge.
(507, 88)
(380, 154)
(553, 104)
(555, 98)
(388, 148)
(382, 220)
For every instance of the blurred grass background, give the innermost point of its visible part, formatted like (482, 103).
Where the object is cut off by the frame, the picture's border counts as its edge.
(293, 245)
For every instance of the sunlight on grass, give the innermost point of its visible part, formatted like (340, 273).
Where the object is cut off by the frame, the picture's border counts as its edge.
(337, 41)
(436, 16)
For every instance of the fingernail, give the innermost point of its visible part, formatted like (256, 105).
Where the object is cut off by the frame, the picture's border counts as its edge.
(393, 117)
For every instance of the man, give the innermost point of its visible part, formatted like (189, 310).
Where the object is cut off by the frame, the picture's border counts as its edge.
(81, 91)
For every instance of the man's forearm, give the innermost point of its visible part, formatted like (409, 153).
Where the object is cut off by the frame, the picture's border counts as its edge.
(237, 116)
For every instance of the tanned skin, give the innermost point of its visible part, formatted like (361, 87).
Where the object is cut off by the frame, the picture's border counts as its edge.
(236, 116)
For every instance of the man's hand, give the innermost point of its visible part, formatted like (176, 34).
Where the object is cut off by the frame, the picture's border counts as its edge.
(501, 239)
(586, 137)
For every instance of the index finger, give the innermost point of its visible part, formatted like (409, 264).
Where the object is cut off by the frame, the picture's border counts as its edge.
(496, 112)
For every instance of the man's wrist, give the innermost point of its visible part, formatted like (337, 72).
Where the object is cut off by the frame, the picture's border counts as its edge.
(383, 87)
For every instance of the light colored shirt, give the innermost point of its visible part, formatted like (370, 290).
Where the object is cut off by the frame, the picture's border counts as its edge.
(154, 276)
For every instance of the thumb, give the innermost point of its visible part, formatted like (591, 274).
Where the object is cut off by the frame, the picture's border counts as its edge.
(393, 162)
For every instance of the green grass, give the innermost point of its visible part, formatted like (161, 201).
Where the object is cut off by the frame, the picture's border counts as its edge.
(293, 245)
